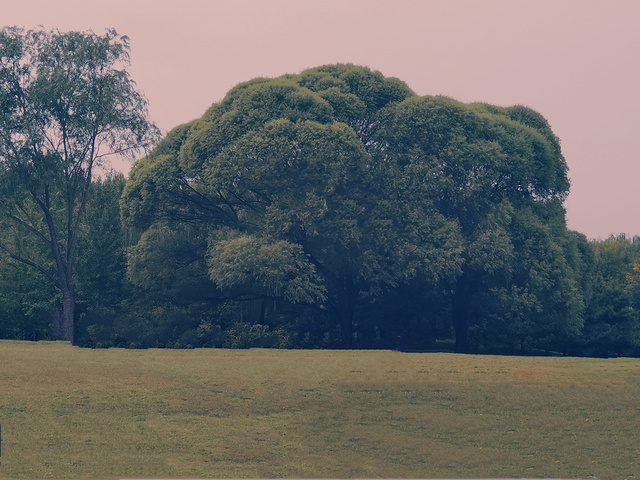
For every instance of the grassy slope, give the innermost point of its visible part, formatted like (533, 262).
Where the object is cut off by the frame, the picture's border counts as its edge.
(74, 413)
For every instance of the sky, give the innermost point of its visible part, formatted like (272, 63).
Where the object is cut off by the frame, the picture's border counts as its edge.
(577, 62)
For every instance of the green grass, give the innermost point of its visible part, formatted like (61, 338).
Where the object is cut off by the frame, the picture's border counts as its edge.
(68, 412)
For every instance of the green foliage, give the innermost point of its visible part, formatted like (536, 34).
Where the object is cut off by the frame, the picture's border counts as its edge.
(349, 188)
(612, 319)
(499, 173)
(283, 173)
(28, 300)
(167, 267)
(101, 265)
(67, 103)
(27, 303)
(253, 265)
(242, 335)
(539, 305)
(330, 208)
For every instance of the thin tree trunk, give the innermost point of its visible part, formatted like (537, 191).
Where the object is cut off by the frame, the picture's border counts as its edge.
(263, 309)
(346, 328)
(461, 328)
(347, 299)
(460, 315)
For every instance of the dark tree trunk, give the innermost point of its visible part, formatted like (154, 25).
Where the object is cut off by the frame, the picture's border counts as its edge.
(461, 328)
(461, 301)
(346, 307)
(68, 313)
(346, 328)
(263, 309)
(64, 263)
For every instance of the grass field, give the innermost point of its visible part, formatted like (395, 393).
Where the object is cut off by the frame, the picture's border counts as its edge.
(67, 412)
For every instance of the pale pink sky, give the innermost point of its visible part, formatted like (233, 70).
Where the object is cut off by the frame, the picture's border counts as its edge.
(575, 61)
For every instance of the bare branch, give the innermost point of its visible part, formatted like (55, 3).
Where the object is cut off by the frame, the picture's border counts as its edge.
(29, 263)
(29, 227)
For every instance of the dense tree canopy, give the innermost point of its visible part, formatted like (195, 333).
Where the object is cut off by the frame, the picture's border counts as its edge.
(612, 318)
(333, 208)
(337, 186)
(497, 172)
(298, 206)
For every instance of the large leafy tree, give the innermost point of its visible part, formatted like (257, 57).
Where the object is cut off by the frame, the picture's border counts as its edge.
(288, 177)
(499, 173)
(338, 186)
(67, 103)
(534, 301)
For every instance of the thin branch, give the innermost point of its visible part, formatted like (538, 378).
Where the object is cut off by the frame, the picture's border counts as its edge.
(29, 263)
(29, 227)
(118, 152)
(228, 204)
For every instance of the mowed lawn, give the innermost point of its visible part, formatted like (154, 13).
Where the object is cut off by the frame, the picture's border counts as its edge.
(67, 412)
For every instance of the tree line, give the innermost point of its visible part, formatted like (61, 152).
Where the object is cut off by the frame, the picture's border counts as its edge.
(334, 208)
